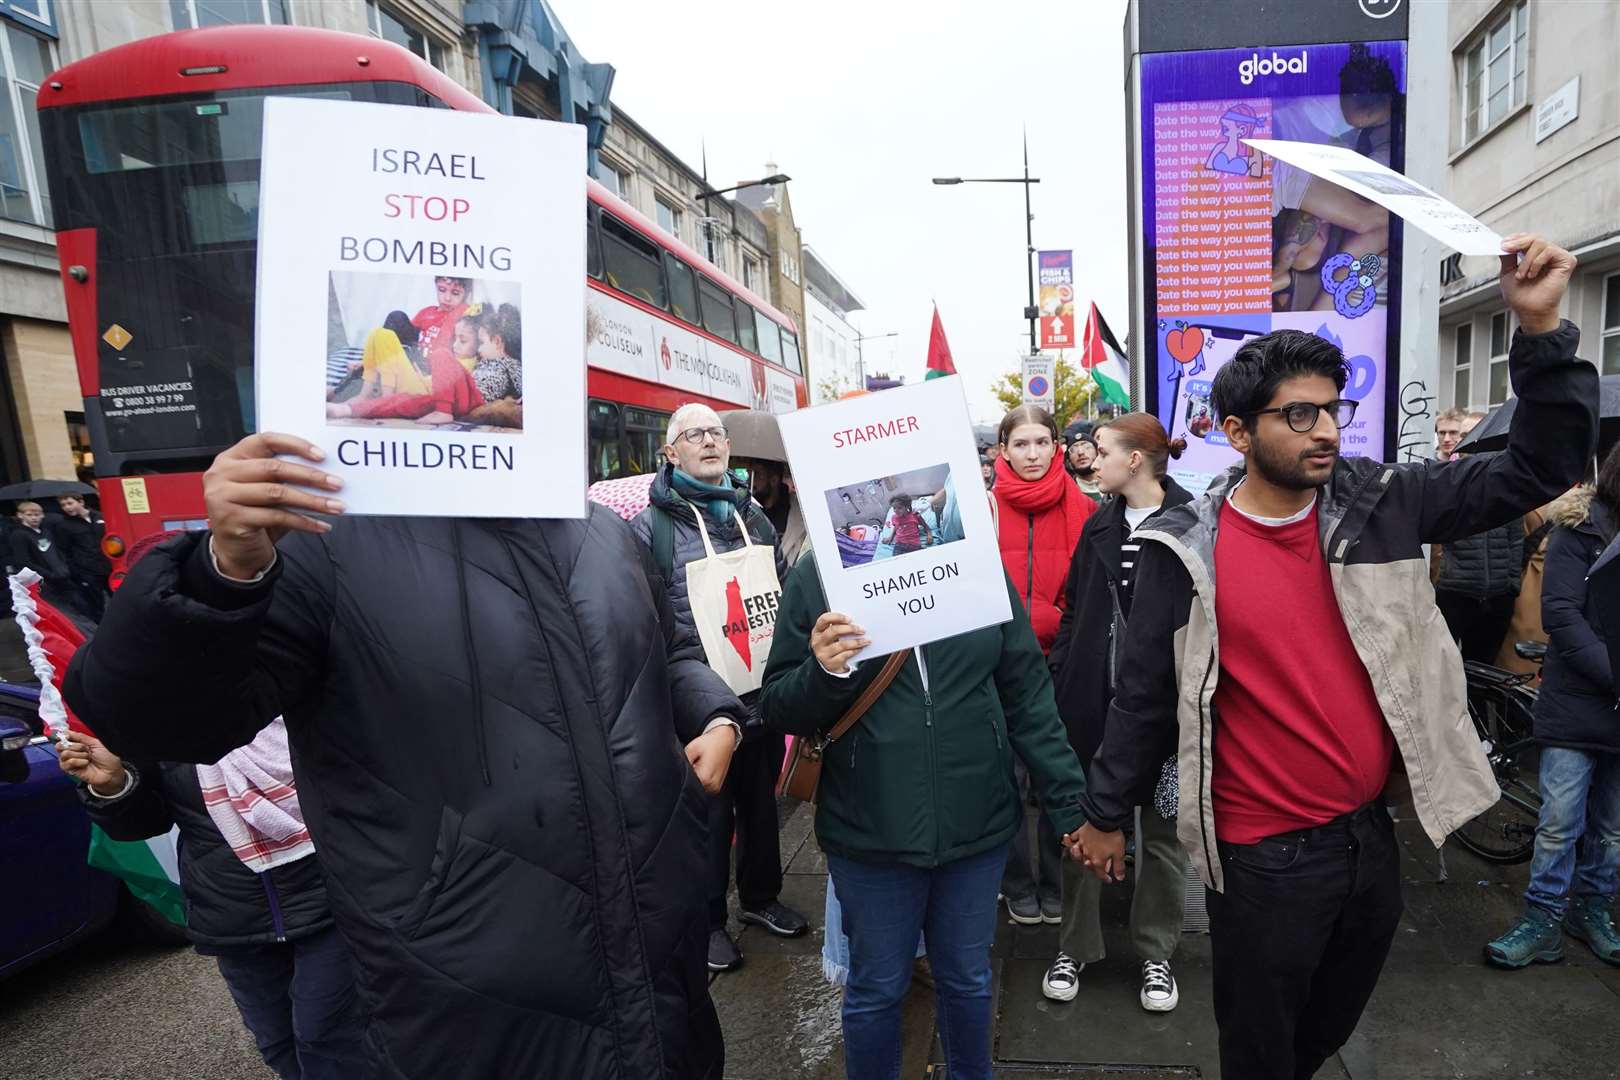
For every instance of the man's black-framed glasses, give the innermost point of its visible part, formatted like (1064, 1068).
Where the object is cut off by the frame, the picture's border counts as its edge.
(1302, 415)
(697, 434)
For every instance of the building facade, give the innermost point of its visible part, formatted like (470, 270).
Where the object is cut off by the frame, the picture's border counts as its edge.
(1534, 145)
(515, 55)
(832, 346)
(785, 272)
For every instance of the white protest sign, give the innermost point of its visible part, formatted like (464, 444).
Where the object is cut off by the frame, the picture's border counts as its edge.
(1408, 199)
(890, 488)
(443, 249)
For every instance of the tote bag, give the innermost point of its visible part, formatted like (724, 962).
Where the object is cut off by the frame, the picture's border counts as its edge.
(734, 597)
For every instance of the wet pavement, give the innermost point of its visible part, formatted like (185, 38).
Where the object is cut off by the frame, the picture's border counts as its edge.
(1439, 1011)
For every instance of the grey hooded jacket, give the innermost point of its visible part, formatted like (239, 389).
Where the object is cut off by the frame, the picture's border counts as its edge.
(1374, 520)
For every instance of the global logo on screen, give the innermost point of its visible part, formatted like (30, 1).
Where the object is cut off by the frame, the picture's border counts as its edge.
(1272, 65)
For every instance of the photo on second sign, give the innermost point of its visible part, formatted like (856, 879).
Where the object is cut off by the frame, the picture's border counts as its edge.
(456, 364)
(890, 516)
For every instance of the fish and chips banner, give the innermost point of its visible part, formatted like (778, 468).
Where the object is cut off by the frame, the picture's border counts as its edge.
(892, 497)
(1056, 300)
(444, 248)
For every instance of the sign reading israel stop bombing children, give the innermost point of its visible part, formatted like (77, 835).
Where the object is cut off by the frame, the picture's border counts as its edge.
(890, 488)
(446, 251)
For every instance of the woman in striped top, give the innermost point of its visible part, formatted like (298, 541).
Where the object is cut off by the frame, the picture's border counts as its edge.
(1132, 455)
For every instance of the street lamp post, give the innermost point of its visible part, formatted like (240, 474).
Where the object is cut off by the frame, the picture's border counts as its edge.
(708, 193)
(1031, 312)
(860, 351)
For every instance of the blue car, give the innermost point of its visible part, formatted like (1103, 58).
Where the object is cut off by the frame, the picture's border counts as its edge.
(52, 898)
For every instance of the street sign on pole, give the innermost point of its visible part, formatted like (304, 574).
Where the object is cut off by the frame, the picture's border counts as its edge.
(1040, 377)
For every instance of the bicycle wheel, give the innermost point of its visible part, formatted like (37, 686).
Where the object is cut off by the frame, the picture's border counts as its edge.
(1506, 833)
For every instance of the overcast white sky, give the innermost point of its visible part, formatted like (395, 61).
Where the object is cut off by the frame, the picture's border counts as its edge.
(862, 103)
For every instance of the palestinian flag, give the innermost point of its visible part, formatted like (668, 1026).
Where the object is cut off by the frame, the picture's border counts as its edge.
(150, 869)
(1103, 359)
(939, 351)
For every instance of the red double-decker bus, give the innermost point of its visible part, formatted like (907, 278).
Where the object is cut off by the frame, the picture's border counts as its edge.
(152, 149)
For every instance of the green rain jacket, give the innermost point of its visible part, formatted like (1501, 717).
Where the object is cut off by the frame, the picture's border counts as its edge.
(926, 777)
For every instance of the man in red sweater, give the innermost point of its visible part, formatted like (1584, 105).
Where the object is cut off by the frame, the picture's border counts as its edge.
(1288, 693)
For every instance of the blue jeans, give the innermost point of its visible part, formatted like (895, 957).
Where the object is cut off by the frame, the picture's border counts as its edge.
(835, 943)
(298, 1000)
(886, 905)
(1580, 794)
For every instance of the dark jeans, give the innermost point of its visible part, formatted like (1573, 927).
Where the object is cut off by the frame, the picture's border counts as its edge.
(1299, 937)
(746, 806)
(1042, 880)
(298, 1000)
(1477, 626)
(885, 907)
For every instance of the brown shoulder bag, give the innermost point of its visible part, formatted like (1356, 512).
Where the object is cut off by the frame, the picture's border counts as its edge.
(802, 775)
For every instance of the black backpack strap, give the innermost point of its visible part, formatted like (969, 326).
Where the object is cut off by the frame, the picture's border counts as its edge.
(663, 543)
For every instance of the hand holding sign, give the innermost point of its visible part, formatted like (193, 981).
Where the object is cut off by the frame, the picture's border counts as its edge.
(252, 502)
(1535, 276)
(835, 640)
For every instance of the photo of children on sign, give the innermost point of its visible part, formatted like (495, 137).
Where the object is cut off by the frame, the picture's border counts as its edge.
(456, 364)
(891, 516)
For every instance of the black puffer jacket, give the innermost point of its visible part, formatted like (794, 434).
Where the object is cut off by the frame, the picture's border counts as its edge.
(1089, 635)
(1486, 566)
(687, 544)
(1578, 701)
(226, 903)
(487, 719)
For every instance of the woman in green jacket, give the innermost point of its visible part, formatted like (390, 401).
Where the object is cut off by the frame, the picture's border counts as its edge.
(917, 805)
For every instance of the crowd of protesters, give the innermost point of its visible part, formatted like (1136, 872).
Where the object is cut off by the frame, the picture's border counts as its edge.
(524, 748)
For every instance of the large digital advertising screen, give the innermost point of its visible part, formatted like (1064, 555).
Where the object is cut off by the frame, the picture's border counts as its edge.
(1237, 244)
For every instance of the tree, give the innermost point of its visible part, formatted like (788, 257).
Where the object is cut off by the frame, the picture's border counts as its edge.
(1075, 393)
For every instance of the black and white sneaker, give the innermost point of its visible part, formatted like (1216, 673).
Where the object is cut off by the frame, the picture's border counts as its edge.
(1062, 980)
(778, 919)
(1159, 992)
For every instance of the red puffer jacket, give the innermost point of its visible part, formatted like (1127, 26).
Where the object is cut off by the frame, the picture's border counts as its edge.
(1039, 523)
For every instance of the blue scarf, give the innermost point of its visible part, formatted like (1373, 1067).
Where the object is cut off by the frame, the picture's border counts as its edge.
(718, 500)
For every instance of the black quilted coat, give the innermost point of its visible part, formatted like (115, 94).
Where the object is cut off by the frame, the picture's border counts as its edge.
(486, 720)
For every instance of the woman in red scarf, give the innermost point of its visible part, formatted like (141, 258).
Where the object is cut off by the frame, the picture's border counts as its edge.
(1039, 513)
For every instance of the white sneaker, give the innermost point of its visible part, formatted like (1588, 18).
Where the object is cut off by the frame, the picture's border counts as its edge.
(1159, 992)
(1062, 980)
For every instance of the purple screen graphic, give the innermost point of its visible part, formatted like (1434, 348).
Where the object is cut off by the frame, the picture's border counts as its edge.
(1237, 245)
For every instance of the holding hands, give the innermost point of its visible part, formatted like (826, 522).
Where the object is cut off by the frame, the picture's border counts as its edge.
(1102, 852)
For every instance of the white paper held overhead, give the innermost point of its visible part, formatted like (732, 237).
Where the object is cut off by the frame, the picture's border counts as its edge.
(1408, 199)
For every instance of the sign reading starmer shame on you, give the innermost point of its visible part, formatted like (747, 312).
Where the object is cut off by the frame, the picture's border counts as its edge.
(445, 251)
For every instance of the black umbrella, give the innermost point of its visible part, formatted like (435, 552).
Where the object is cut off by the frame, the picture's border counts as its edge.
(1491, 432)
(43, 489)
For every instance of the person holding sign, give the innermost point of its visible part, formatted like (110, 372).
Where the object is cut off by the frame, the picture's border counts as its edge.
(1039, 515)
(487, 716)
(717, 553)
(917, 804)
(1289, 692)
